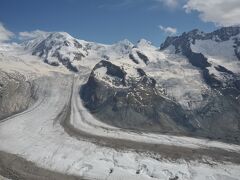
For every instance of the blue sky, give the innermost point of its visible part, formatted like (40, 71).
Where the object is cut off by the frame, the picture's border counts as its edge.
(106, 21)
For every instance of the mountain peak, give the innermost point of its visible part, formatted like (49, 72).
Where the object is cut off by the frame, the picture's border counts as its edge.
(123, 46)
(125, 42)
(59, 37)
(143, 43)
(225, 33)
(64, 35)
(194, 32)
(222, 34)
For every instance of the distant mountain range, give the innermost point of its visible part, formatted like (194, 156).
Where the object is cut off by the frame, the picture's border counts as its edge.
(189, 85)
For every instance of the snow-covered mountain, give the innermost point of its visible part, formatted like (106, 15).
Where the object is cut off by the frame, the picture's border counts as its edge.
(54, 89)
(190, 85)
(216, 53)
(196, 86)
(56, 48)
(60, 48)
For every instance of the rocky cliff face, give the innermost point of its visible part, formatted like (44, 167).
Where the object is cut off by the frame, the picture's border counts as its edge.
(187, 44)
(131, 102)
(16, 94)
(215, 54)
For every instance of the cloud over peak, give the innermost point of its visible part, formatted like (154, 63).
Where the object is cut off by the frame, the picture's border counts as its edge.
(220, 12)
(170, 3)
(168, 30)
(27, 35)
(5, 35)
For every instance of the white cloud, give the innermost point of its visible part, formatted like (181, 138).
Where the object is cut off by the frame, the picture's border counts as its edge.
(170, 3)
(5, 35)
(26, 35)
(220, 12)
(168, 30)
(120, 3)
(153, 4)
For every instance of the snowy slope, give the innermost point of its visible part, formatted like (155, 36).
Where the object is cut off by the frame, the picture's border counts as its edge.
(39, 134)
(220, 55)
(38, 137)
(191, 70)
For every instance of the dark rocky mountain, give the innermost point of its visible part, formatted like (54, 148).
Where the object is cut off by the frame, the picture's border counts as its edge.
(132, 103)
(183, 43)
(16, 94)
